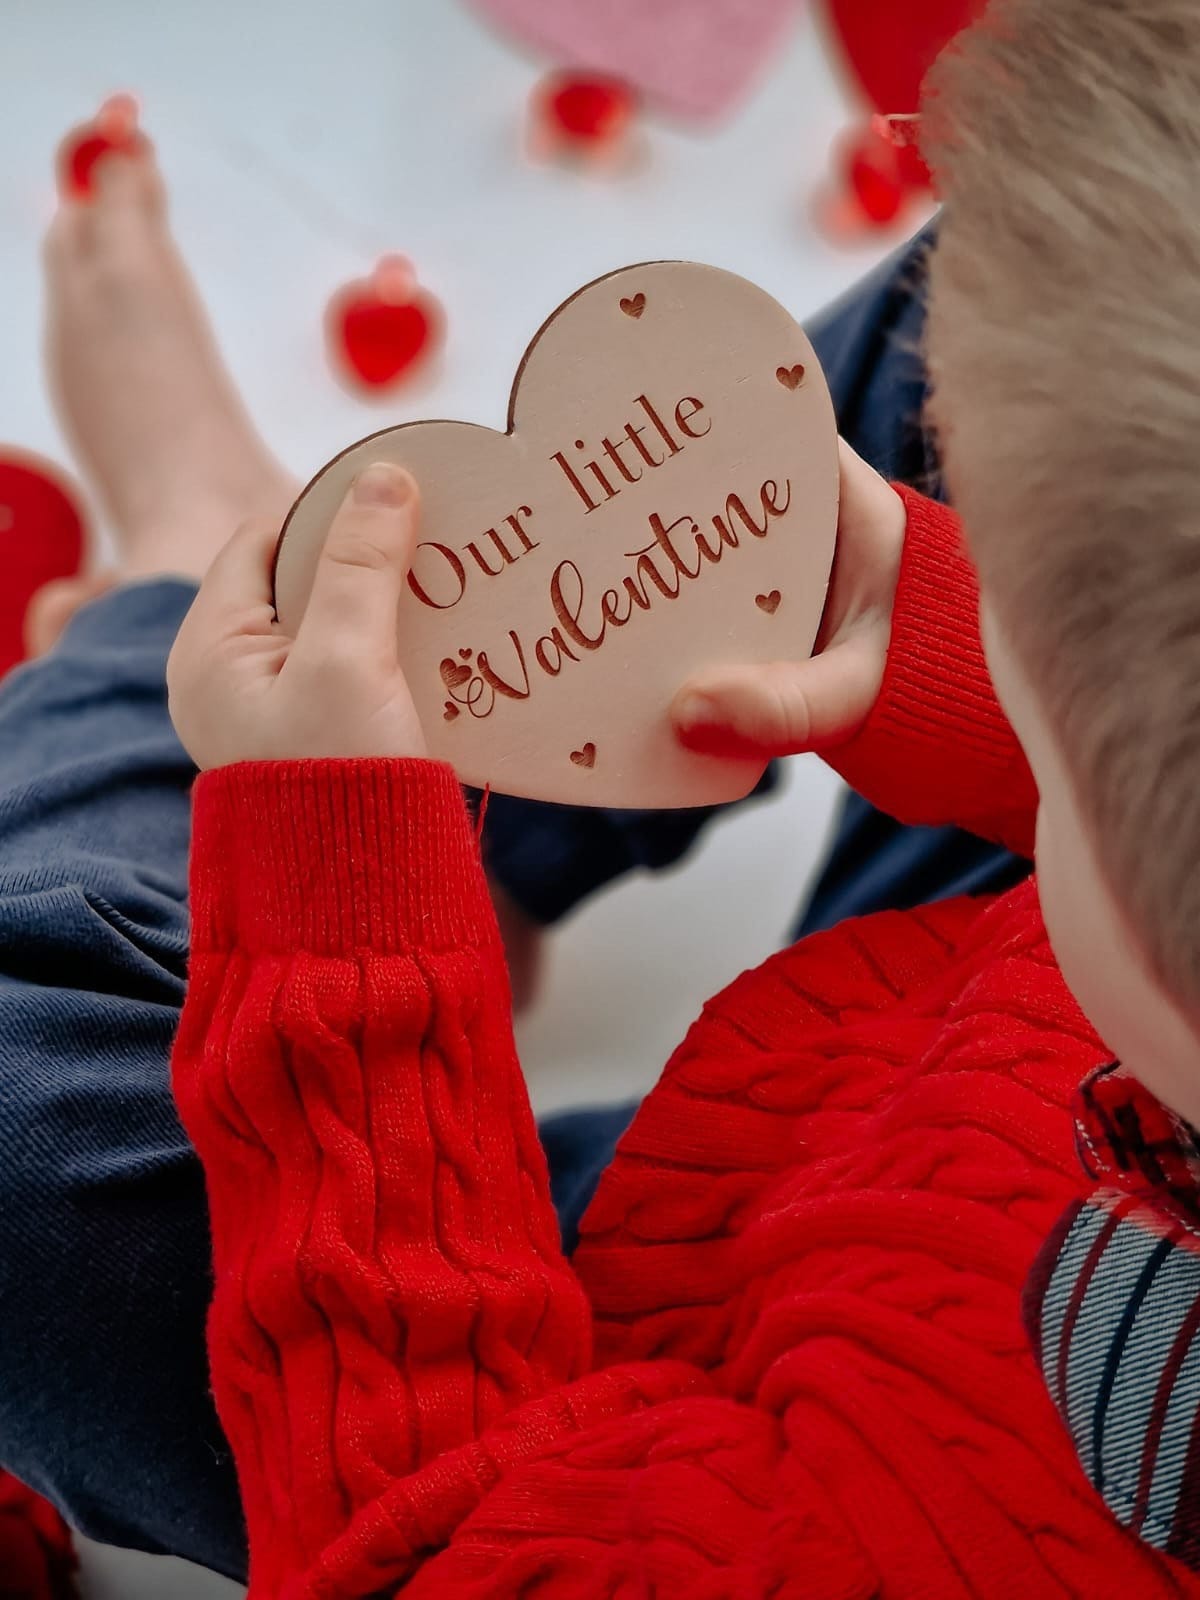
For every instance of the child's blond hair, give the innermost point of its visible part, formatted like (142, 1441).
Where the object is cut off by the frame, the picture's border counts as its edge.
(1065, 350)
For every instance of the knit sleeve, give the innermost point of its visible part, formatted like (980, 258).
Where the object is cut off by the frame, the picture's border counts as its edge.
(401, 1357)
(389, 1283)
(937, 748)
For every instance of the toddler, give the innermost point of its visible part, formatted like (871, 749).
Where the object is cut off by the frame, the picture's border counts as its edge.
(787, 1358)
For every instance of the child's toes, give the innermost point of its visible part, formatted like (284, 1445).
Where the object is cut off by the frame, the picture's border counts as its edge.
(128, 183)
(61, 243)
(71, 161)
(91, 152)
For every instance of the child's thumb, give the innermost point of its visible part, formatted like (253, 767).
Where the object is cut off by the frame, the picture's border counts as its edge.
(363, 566)
(780, 709)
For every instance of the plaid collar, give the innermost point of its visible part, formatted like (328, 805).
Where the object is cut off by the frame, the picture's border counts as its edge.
(1112, 1307)
(1130, 1140)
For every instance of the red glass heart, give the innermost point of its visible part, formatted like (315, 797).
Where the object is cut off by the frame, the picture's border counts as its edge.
(114, 128)
(914, 170)
(585, 109)
(873, 175)
(383, 327)
(41, 538)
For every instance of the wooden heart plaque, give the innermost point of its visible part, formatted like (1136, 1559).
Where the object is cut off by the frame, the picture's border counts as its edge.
(665, 499)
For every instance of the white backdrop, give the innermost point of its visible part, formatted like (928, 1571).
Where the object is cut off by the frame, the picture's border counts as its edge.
(301, 140)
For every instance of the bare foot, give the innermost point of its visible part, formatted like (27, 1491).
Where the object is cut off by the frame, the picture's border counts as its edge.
(55, 603)
(142, 393)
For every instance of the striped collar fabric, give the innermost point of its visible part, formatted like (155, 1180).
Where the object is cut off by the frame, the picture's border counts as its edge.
(1112, 1307)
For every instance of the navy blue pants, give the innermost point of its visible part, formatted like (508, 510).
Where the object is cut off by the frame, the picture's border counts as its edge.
(104, 1252)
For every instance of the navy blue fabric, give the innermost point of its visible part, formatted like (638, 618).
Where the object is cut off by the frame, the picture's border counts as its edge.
(104, 1252)
(870, 347)
(104, 1249)
(579, 1145)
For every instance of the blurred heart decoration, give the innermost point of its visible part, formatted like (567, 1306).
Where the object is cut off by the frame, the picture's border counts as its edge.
(41, 538)
(382, 329)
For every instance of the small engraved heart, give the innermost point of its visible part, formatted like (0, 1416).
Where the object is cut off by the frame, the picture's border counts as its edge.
(790, 377)
(768, 602)
(454, 676)
(466, 654)
(451, 711)
(635, 306)
(585, 757)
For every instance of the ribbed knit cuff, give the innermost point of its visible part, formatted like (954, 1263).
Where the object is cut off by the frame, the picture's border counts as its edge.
(937, 692)
(937, 682)
(333, 857)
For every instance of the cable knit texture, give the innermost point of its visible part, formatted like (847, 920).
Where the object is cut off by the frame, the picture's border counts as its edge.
(787, 1360)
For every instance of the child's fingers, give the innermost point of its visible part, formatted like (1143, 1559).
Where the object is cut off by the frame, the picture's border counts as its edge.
(234, 605)
(780, 709)
(363, 566)
(238, 584)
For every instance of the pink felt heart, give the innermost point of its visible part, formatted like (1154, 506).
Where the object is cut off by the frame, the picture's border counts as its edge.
(694, 59)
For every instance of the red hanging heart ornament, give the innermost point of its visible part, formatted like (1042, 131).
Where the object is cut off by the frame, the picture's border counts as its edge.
(383, 329)
(880, 173)
(879, 179)
(871, 173)
(581, 116)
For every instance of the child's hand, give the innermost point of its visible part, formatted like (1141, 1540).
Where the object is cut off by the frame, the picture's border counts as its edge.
(242, 690)
(790, 706)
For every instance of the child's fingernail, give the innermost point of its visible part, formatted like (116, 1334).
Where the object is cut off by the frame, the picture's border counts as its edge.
(382, 484)
(695, 711)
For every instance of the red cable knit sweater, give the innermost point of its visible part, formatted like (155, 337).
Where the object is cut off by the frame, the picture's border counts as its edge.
(787, 1359)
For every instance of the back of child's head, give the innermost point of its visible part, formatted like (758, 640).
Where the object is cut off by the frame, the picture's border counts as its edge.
(1065, 349)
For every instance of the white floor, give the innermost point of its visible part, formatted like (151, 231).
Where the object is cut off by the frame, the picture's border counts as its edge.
(301, 141)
